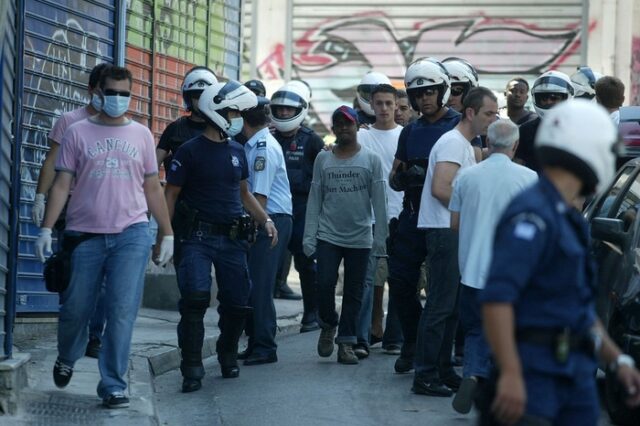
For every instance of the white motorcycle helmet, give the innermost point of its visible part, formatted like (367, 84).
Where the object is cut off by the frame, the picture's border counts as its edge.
(426, 72)
(218, 98)
(366, 86)
(461, 72)
(579, 136)
(584, 82)
(294, 94)
(550, 82)
(196, 80)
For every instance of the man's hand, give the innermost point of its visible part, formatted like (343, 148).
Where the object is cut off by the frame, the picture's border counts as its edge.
(272, 232)
(163, 255)
(629, 378)
(511, 398)
(308, 249)
(37, 211)
(43, 243)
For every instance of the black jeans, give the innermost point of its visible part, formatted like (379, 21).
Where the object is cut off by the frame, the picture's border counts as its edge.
(439, 318)
(355, 269)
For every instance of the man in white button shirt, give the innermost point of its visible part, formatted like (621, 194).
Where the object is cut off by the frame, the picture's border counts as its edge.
(434, 374)
(480, 195)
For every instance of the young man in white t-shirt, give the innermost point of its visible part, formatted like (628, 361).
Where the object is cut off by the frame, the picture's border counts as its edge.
(436, 330)
(381, 138)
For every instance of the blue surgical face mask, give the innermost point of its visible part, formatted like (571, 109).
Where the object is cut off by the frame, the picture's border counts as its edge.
(236, 126)
(96, 102)
(115, 106)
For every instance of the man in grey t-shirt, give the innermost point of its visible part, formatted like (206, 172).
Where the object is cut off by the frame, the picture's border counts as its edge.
(347, 182)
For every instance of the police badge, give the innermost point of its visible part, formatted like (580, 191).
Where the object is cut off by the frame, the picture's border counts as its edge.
(258, 164)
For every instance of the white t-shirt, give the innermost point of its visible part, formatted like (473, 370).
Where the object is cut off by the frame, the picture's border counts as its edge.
(384, 143)
(452, 147)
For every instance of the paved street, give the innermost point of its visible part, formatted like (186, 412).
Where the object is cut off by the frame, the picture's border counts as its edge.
(304, 389)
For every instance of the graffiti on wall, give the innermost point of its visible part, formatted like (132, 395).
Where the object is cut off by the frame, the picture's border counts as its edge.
(635, 72)
(334, 55)
(55, 81)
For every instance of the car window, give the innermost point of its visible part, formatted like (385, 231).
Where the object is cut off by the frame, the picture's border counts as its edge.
(607, 204)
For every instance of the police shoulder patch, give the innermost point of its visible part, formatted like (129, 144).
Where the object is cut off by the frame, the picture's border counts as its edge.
(259, 163)
(261, 144)
(525, 231)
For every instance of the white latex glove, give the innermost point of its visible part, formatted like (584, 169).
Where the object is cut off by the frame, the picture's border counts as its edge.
(166, 250)
(37, 211)
(43, 243)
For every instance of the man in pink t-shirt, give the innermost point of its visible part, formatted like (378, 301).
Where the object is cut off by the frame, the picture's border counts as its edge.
(112, 161)
(47, 171)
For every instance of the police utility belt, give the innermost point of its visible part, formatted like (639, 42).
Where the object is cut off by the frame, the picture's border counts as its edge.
(561, 341)
(189, 224)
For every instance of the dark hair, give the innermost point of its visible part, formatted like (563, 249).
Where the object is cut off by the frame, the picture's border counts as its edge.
(96, 72)
(519, 80)
(402, 94)
(384, 88)
(115, 73)
(610, 91)
(475, 99)
(256, 117)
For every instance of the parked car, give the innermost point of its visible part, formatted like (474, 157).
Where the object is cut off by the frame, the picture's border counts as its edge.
(629, 129)
(615, 229)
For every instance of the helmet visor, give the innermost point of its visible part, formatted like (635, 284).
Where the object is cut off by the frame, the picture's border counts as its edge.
(197, 86)
(553, 84)
(364, 91)
(288, 99)
(284, 112)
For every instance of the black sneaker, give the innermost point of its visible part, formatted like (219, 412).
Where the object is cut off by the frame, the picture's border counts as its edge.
(93, 348)
(452, 381)
(116, 400)
(62, 373)
(403, 365)
(430, 388)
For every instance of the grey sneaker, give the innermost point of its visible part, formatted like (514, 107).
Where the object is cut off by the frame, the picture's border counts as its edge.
(346, 354)
(116, 400)
(325, 342)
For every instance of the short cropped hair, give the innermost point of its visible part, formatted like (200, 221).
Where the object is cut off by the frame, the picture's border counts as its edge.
(256, 117)
(519, 80)
(402, 94)
(96, 73)
(115, 73)
(610, 91)
(475, 99)
(502, 134)
(384, 88)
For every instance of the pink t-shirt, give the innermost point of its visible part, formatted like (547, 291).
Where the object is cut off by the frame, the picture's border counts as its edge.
(66, 120)
(109, 164)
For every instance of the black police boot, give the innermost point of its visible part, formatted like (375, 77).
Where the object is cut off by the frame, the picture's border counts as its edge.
(283, 291)
(190, 338)
(231, 323)
(404, 363)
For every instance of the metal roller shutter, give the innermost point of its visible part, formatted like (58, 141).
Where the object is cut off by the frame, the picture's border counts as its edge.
(63, 42)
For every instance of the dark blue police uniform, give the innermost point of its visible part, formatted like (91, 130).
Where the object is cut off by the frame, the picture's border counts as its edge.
(407, 248)
(300, 152)
(542, 267)
(209, 175)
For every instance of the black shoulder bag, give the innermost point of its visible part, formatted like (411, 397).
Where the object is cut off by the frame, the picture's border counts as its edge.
(57, 268)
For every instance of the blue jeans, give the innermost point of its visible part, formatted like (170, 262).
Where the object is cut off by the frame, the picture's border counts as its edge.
(121, 259)
(355, 270)
(363, 329)
(477, 355)
(438, 321)
(263, 268)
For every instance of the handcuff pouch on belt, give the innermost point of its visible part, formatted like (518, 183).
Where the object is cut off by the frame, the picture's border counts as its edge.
(561, 341)
(243, 228)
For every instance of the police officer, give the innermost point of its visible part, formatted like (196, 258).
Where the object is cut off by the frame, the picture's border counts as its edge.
(269, 183)
(192, 125)
(366, 115)
(464, 77)
(300, 145)
(549, 89)
(257, 87)
(538, 304)
(584, 82)
(206, 192)
(428, 87)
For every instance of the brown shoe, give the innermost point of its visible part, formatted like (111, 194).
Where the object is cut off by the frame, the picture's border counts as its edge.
(325, 341)
(346, 354)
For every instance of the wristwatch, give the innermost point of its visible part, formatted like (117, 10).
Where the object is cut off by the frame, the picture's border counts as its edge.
(622, 359)
(267, 221)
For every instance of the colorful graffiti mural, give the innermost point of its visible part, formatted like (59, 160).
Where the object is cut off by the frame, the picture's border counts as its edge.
(635, 72)
(334, 55)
